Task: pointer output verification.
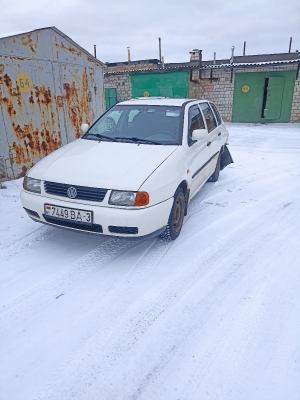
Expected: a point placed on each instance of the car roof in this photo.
(158, 101)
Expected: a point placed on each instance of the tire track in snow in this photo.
(42, 294)
(220, 289)
(253, 310)
(121, 297)
(196, 205)
(111, 353)
(40, 234)
(181, 288)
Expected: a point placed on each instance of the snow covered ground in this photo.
(213, 315)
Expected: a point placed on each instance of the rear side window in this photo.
(217, 114)
(195, 122)
(209, 116)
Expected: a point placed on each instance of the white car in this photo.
(134, 170)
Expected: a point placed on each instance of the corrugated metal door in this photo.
(275, 88)
(29, 112)
(166, 91)
(5, 164)
(263, 96)
(169, 84)
(98, 84)
(79, 97)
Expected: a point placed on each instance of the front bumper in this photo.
(147, 220)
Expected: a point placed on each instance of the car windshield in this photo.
(143, 124)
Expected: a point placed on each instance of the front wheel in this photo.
(176, 217)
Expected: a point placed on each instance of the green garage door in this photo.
(263, 96)
(167, 84)
(110, 97)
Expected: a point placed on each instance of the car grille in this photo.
(75, 225)
(83, 192)
(129, 230)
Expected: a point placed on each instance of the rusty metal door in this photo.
(5, 163)
(29, 112)
(80, 102)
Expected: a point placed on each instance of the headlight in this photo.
(120, 198)
(32, 185)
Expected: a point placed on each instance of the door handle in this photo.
(220, 133)
(208, 143)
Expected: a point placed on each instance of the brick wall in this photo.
(295, 115)
(219, 91)
(122, 82)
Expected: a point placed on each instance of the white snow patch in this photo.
(213, 315)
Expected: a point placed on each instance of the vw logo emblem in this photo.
(72, 192)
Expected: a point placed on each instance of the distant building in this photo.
(258, 88)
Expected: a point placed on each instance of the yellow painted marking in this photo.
(245, 89)
(24, 82)
(146, 94)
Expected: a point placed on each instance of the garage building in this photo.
(49, 86)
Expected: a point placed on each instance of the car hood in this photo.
(109, 165)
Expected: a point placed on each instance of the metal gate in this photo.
(166, 84)
(263, 96)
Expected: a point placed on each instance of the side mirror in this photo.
(200, 135)
(84, 127)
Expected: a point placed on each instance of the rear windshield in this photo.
(157, 124)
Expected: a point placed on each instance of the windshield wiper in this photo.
(137, 140)
(98, 136)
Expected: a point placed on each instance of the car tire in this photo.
(215, 176)
(175, 222)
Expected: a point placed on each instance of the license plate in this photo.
(69, 214)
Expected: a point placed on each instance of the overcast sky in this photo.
(210, 25)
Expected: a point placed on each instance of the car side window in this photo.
(209, 116)
(195, 122)
(217, 114)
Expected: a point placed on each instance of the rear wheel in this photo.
(215, 175)
(176, 217)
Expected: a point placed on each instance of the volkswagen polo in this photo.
(133, 172)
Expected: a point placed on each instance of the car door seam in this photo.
(204, 165)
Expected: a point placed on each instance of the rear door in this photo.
(198, 152)
(221, 130)
(214, 134)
